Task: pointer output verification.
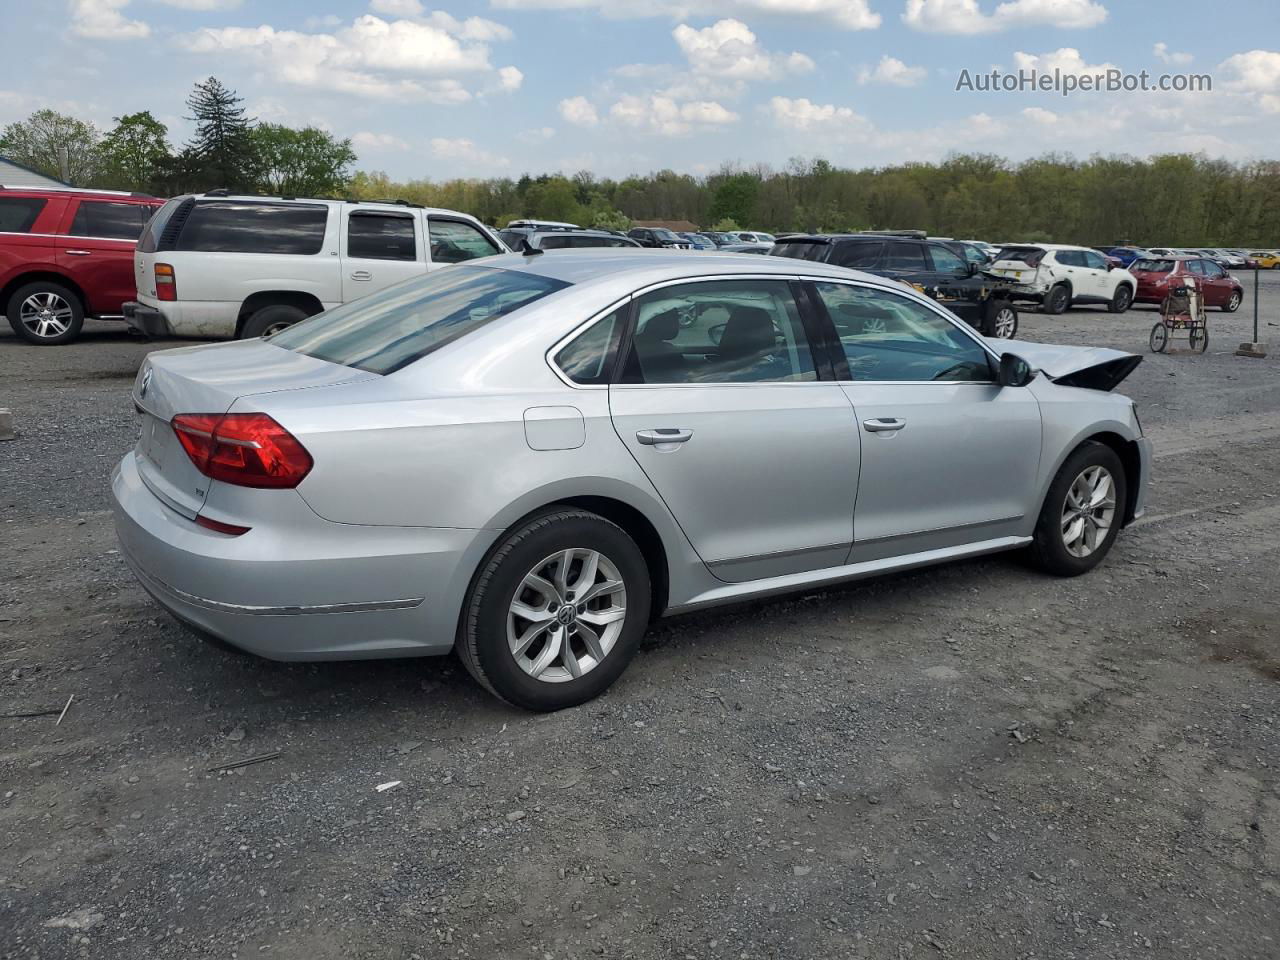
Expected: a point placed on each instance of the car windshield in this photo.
(388, 330)
(1152, 266)
(802, 250)
(1031, 256)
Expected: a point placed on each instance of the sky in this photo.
(504, 87)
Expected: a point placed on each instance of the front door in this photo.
(721, 406)
(1101, 283)
(948, 456)
(379, 248)
(455, 241)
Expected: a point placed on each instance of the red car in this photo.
(1156, 275)
(67, 254)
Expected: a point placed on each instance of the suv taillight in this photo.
(166, 283)
(247, 449)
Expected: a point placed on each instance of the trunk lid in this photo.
(209, 379)
(1094, 368)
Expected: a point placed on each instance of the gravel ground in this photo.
(973, 761)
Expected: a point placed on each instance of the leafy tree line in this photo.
(228, 150)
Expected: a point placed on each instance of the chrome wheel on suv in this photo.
(45, 313)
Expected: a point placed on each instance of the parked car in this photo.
(518, 239)
(658, 237)
(719, 239)
(67, 254)
(1126, 255)
(754, 236)
(697, 241)
(1157, 275)
(989, 249)
(541, 225)
(1057, 276)
(934, 267)
(762, 248)
(528, 459)
(1228, 258)
(1266, 259)
(218, 266)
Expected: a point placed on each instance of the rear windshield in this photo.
(1031, 256)
(802, 251)
(155, 226)
(1152, 266)
(236, 226)
(17, 214)
(388, 330)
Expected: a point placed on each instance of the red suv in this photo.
(67, 254)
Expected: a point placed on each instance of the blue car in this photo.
(1126, 255)
(698, 240)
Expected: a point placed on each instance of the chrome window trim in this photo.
(65, 236)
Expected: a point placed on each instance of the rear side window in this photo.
(148, 242)
(800, 251)
(236, 226)
(588, 358)
(110, 221)
(381, 236)
(453, 241)
(905, 256)
(392, 328)
(17, 214)
(857, 254)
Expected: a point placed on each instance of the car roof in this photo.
(401, 206)
(120, 195)
(641, 267)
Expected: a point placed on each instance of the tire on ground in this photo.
(1057, 300)
(271, 319)
(1122, 299)
(991, 313)
(14, 311)
(1048, 548)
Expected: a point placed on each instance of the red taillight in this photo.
(247, 449)
(217, 525)
(166, 282)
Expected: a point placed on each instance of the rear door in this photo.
(380, 248)
(949, 457)
(27, 233)
(1217, 283)
(722, 407)
(97, 251)
(456, 241)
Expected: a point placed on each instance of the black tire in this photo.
(272, 319)
(1233, 302)
(1122, 299)
(999, 319)
(1198, 339)
(482, 643)
(1049, 549)
(1159, 338)
(1057, 300)
(59, 298)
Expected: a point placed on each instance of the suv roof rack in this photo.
(395, 202)
(62, 189)
(913, 234)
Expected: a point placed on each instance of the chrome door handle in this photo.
(78, 253)
(651, 438)
(883, 425)
(362, 275)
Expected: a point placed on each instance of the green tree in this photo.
(306, 162)
(56, 145)
(135, 152)
(554, 199)
(726, 226)
(222, 144)
(607, 218)
(734, 198)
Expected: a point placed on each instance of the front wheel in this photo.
(45, 313)
(272, 319)
(556, 612)
(1057, 300)
(1233, 302)
(1122, 299)
(1001, 320)
(1159, 338)
(1199, 339)
(1082, 512)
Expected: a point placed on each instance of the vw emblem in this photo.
(566, 615)
(146, 382)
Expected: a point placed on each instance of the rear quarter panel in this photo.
(33, 251)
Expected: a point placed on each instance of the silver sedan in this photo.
(527, 458)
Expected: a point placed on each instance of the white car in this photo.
(1057, 275)
(217, 266)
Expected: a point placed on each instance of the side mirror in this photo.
(1014, 371)
(973, 269)
(1110, 266)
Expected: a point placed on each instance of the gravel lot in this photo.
(974, 761)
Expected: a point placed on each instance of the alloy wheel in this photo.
(566, 615)
(1234, 303)
(1089, 511)
(46, 315)
(1005, 323)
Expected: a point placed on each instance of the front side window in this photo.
(905, 256)
(946, 261)
(453, 241)
(1094, 261)
(237, 226)
(1213, 270)
(380, 236)
(857, 254)
(887, 337)
(392, 328)
(1196, 267)
(111, 221)
(17, 214)
(588, 358)
(724, 331)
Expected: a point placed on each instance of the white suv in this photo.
(1057, 275)
(212, 265)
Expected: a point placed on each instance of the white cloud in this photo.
(893, 72)
(729, 50)
(846, 14)
(202, 4)
(1041, 116)
(379, 142)
(579, 112)
(536, 135)
(102, 19)
(404, 59)
(1162, 53)
(1066, 60)
(397, 8)
(668, 118)
(472, 28)
(804, 114)
(1255, 74)
(466, 152)
(966, 17)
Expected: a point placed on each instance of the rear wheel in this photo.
(1000, 320)
(272, 319)
(1122, 299)
(1198, 338)
(1082, 512)
(1058, 299)
(1159, 338)
(556, 612)
(1233, 302)
(46, 313)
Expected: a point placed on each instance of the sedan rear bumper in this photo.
(299, 587)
